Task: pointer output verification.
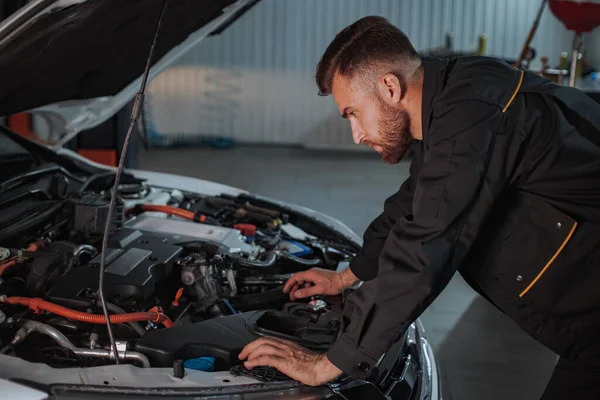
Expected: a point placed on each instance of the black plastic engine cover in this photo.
(316, 332)
(90, 212)
(222, 338)
(135, 262)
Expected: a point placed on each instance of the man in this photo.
(504, 187)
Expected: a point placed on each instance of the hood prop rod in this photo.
(135, 113)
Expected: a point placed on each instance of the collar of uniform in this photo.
(434, 71)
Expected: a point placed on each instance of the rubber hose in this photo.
(69, 267)
(113, 308)
(93, 178)
(37, 304)
(303, 261)
(270, 260)
(7, 265)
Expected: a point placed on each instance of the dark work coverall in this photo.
(505, 189)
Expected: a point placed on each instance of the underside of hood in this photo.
(97, 48)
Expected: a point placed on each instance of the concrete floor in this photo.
(483, 355)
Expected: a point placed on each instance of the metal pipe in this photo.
(124, 355)
(35, 326)
(231, 281)
(576, 47)
(22, 18)
(85, 248)
(268, 262)
(139, 100)
(79, 250)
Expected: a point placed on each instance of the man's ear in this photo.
(389, 89)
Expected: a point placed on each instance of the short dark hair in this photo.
(361, 47)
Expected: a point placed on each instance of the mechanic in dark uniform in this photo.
(504, 187)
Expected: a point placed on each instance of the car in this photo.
(194, 269)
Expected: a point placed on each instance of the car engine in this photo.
(186, 275)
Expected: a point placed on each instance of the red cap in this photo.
(246, 229)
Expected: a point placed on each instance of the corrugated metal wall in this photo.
(254, 82)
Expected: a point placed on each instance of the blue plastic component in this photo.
(297, 249)
(206, 364)
(228, 304)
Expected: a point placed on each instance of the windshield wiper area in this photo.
(20, 179)
(11, 159)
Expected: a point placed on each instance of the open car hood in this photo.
(77, 62)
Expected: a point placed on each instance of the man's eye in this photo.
(353, 113)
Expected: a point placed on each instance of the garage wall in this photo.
(254, 82)
(593, 45)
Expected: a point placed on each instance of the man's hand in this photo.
(324, 282)
(291, 359)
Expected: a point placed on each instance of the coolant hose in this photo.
(37, 305)
(113, 308)
(303, 261)
(269, 261)
(35, 326)
(180, 212)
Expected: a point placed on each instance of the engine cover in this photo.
(230, 241)
(135, 262)
(224, 337)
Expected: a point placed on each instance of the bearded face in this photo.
(394, 136)
(383, 126)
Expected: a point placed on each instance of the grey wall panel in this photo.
(255, 81)
(592, 41)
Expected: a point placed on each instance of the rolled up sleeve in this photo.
(460, 177)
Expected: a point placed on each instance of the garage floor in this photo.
(483, 355)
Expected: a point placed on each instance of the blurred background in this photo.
(254, 82)
(241, 108)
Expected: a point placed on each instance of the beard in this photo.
(394, 133)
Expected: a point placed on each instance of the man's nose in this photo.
(358, 134)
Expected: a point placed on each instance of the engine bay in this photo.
(188, 277)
